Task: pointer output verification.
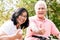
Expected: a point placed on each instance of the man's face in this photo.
(41, 10)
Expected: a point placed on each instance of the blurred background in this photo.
(8, 6)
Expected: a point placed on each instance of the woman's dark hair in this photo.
(16, 14)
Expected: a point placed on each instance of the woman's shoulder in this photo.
(7, 23)
(8, 27)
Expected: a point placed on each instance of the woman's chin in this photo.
(21, 23)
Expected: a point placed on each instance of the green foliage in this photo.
(53, 10)
(29, 5)
(54, 13)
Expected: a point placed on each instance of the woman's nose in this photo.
(23, 17)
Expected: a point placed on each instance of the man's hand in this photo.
(58, 36)
(41, 31)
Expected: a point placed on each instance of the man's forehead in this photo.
(40, 6)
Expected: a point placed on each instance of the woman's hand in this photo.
(19, 34)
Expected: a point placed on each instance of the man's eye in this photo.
(42, 8)
(39, 8)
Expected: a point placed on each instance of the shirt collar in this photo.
(40, 19)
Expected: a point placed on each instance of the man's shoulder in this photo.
(50, 21)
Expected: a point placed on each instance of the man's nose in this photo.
(40, 10)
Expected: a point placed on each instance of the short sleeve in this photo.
(8, 28)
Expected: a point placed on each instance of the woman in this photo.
(9, 30)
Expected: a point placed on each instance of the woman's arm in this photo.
(17, 35)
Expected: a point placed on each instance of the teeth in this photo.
(41, 13)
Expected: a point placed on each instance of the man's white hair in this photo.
(40, 2)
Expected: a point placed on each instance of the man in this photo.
(40, 26)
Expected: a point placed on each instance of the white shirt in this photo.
(8, 27)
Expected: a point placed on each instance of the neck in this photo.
(41, 18)
(17, 26)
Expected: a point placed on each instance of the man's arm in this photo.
(54, 30)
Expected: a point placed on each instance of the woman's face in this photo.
(22, 18)
(41, 10)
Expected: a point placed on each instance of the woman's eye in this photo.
(25, 16)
